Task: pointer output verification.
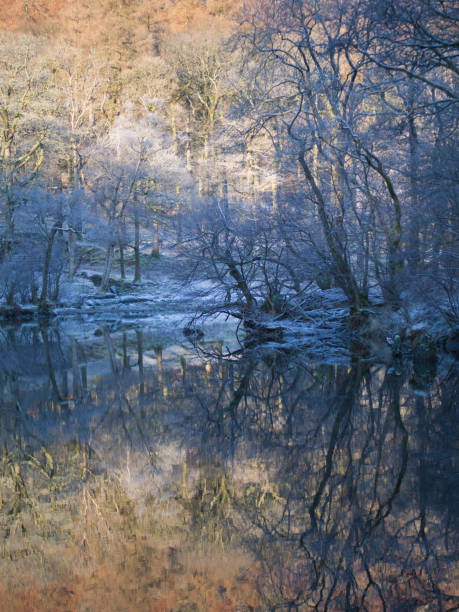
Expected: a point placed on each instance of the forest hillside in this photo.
(281, 149)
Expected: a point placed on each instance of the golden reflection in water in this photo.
(208, 485)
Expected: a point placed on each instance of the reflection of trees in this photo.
(337, 505)
(337, 479)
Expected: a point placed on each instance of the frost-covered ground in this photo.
(160, 300)
(165, 304)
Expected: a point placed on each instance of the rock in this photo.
(131, 299)
(67, 310)
(96, 279)
(193, 333)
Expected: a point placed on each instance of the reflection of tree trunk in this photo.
(49, 363)
(346, 396)
(395, 384)
(159, 361)
(423, 478)
(75, 371)
(219, 349)
(65, 384)
(111, 352)
(241, 391)
(84, 377)
(125, 353)
(140, 361)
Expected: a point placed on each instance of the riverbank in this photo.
(165, 297)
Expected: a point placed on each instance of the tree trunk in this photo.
(224, 193)
(393, 232)
(274, 193)
(75, 170)
(178, 213)
(10, 295)
(71, 247)
(107, 268)
(413, 246)
(155, 249)
(44, 282)
(345, 278)
(241, 283)
(122, 266)
(137, 276)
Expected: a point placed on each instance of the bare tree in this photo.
(134, 174)
(24, 81)
(319, 94)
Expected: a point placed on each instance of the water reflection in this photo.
(136, 475)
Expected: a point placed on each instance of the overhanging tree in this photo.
(326, 100)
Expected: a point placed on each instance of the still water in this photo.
(141, 474)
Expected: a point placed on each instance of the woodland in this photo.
(229, 306)
(275, 148)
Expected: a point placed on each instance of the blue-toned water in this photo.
(141, 473)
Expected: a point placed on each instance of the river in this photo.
(139, 472)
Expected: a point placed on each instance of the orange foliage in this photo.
(98, 23)
(29, 15)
